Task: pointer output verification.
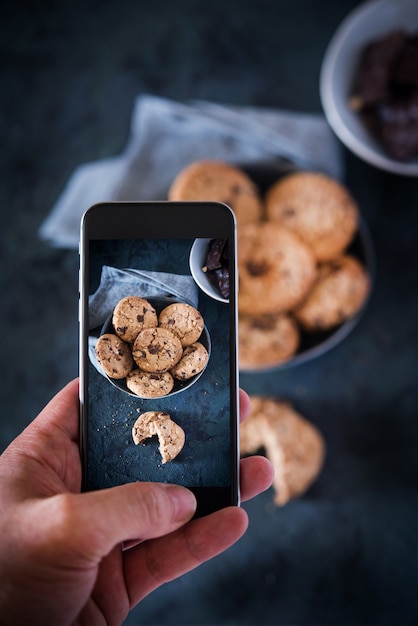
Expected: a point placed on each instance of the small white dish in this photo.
(368, 22)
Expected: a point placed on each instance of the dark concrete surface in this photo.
(345, 553)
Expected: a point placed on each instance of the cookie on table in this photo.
(149, 385)
(318, 208)
(131, 315)
(294, 446)
(340, 291)
(276, 269)
(170, 435)
(218, 181)
(193, 361)
(156, 350)
(114, 356)
(183, 320)
(266, 340)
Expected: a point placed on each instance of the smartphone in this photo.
(151, 410)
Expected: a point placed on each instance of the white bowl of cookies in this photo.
(305, 262)
(153, 347)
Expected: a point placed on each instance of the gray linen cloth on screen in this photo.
(116, 284)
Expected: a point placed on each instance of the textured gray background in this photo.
(345, 553)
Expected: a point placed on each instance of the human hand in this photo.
(61, 556)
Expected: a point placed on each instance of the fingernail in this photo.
(184, 500)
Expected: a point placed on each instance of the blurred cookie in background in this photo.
(217, 181)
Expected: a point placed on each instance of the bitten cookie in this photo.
(156, 350)
(212, 180)
(131, 315)
(339, 293)
(266, 340)
(170, 435)
(183, 320)
(149, 385)
(114, 356)
(318, 208)
(193, 361)
(293, 445)
(276, 269)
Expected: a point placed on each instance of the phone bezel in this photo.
(160, 220)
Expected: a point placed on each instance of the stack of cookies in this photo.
(295, 273)
(150, 351)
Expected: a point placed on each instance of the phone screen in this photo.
(158, 416)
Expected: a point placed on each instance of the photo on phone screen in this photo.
(158, 361)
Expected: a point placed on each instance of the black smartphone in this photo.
(158, 348)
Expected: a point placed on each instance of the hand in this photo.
(61, 556)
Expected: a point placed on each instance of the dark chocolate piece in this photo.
(376, 66)
(386, 92)
(406, 72)
(220, 279)
(217, 266)
(215, 253)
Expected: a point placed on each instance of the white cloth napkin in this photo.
(166, 135)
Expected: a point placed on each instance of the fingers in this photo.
(256, 475)
(91, 524)
(244, 405)
(256, 472)
(62, 411)
(153, 563)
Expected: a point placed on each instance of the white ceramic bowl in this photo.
(197, 260)
(369, 21)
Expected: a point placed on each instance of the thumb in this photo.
(85, 527)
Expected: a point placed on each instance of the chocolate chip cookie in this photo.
(276, 269)
(294, 446)
(183, 320)
(218, 181)
(339, 293)
(193, 361)
(318, 208)
(149, 385)
(170, 435)
(131, 315)
(156, 350)
(266, 340)
(114, 356)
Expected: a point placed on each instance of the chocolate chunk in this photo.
(257, 269)
(406, 72)
(220, 279)
(217, 265)
(376, 66)
(265, 322)
(215, 253)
